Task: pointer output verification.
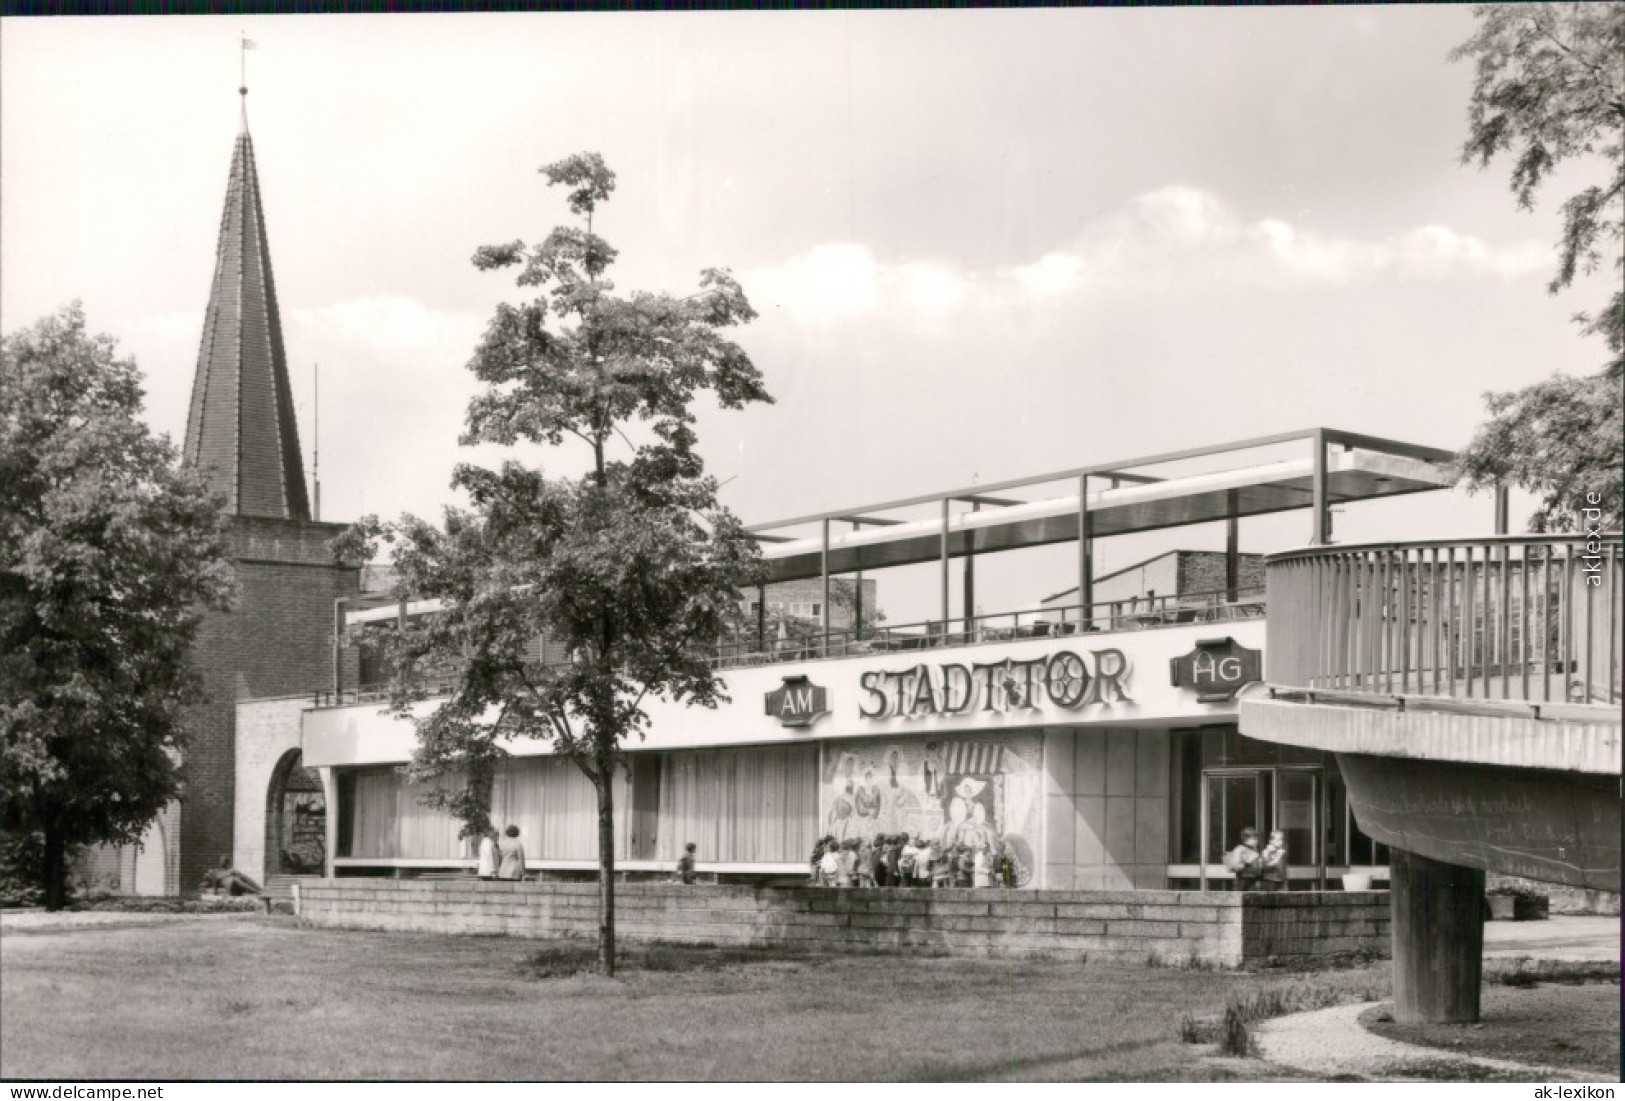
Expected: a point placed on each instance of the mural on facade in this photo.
(304, 831)
(972, 791)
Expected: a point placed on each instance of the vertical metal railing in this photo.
(1525, 617)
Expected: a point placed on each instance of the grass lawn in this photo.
(1549, 1024)
(263, 998)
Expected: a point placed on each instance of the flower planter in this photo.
(1356, 881)
(1518, 907)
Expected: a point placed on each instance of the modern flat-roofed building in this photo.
(1102, 750)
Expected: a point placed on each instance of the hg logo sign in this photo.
(1218, 668)
(797, 702)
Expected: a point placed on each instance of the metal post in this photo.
(857, 599)
(761, 618)
(970, 583)
(945, 566)
(1502, 509)
(1202, 830)
(1232, 548)
(1086, 583)
(823, 568)
(338, 648)
(1323, 519)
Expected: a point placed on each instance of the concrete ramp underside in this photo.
(1542, 824)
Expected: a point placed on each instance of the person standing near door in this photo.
(1245, 862)
(1272, 863)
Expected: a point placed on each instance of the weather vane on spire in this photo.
(244, 45)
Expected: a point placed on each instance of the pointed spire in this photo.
(241, 428)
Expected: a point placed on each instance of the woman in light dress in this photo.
(512, 854)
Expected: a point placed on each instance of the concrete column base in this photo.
(1438, 931)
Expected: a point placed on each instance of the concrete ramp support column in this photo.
(1438, 931)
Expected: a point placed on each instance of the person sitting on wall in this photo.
(925, 865)
(513, 855)
(1244, 861)
(228, 880)
(829, 865)
(685, 863)
(489, 858)
(1272, 863)
(908, 855)
(983, 873)
(815, 873)
(846, 863)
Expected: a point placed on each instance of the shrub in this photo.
(1514, 890)
(1235, 1037)
(1199, 1030)
(21, 855)
(134, 904)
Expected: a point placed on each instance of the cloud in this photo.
(838, 283)
(1174, 235)
(391, 326)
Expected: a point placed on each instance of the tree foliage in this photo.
(108, 556)
(633, 570)
(1549, 89)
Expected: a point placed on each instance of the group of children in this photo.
(1257, 870)
(897, 860)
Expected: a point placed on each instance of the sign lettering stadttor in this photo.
(1064, 679)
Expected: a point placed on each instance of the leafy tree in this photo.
(109, 553)
(634, 569)
(1550, 89)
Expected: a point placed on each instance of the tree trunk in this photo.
(56, 870)
(606, 864)
(1438, 931)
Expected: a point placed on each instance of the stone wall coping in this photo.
(987, 895)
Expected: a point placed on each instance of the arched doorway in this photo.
(295, 819)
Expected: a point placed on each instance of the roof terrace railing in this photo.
(1533, 618)
(1053, 621)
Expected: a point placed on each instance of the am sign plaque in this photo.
(797, 702)
(1217, 669)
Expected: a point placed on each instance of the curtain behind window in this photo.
(392, 823)
(757, 804)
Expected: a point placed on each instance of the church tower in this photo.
(241, 429)
(242, 434)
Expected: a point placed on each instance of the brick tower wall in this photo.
(277, 642)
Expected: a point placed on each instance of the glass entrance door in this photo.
(1235, 800)
(1265, 799)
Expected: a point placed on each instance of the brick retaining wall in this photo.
(1294, 926)
(1128, 926)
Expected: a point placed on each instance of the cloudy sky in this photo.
(982, 244)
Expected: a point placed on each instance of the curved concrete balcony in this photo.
(1530, 618)
(1470, 690)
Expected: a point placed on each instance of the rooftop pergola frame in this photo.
(1114, 498)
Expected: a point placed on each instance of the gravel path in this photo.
(1331, 1042)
